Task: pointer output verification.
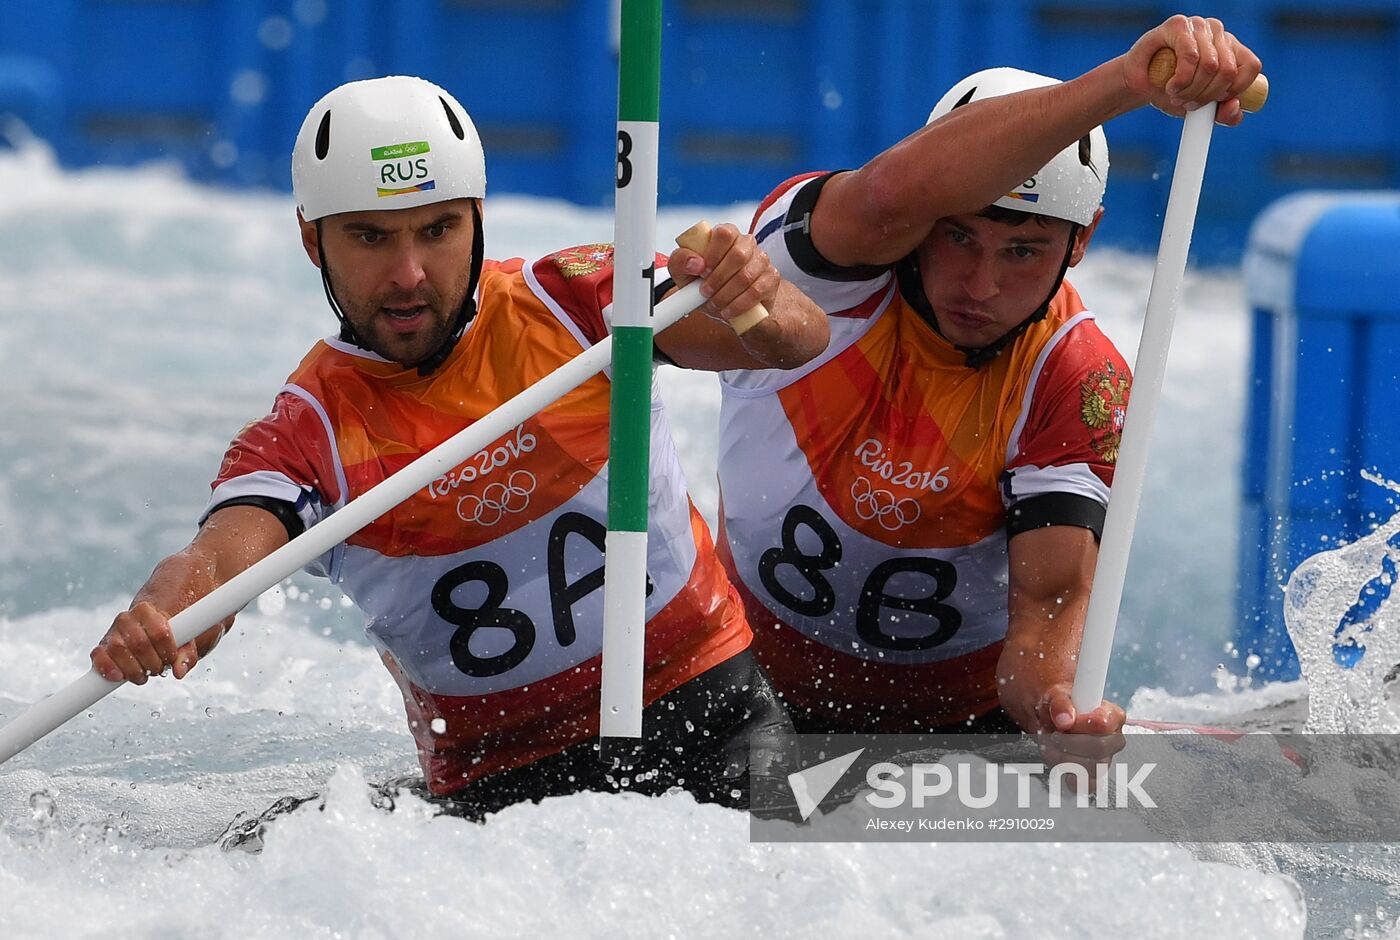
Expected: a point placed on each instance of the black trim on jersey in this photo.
(1047, 509)
(658, 293)
(911, 287)
(285, 512)
(797, 235)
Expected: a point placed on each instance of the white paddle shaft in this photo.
(1107, 594)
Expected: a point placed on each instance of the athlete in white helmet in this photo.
(913, 517)
(482, 591)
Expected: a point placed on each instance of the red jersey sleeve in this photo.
(287, 456)
(1061, 457)
(580, 281)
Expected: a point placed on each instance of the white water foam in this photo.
(105, 820)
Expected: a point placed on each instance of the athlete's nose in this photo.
(406, 271)
(980, 278)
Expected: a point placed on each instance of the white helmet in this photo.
(1072, 184)
(385, 143)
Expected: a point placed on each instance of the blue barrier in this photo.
(1321, 271)
(753, 90)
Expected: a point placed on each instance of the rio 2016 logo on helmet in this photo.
(1072, 184)
(385, 143)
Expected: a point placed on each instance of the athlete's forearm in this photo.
(1038, 658)
(738, 277)
(977, 153)
(794, 332)
(180, 580)
(959, 164)
(140, 642)
(1050, 641)
(229, 542)
(1051, 574)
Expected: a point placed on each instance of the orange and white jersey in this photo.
(483, 589)
(867, 497)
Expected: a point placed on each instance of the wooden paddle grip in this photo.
(1163, 65)
(697, 238)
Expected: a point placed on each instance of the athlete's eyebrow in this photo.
(446, 218)
(1034, 241)
(361, 227)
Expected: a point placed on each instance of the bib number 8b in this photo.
(877, 605)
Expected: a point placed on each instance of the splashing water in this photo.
(1344, 619)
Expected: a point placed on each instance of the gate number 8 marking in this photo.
(624, 165)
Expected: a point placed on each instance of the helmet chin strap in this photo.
(465, 312)
(347, 332)
(911, 287)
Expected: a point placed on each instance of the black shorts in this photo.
(698, 737)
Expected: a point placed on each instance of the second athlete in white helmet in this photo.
(913, 519)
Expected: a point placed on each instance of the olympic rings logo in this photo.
(881, 506)
(497, 500)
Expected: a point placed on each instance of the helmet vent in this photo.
(1086, 155)
(323, 137)
(965, 98)
(452, 119)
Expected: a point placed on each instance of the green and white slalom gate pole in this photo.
(629, 457)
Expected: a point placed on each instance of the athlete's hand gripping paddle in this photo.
(624, 620)
(1163, 66)
(697, 239)
(1107, 594)
(232, 596)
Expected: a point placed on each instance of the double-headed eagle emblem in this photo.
(1103, 405)
(584, 260)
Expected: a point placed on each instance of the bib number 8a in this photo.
(490, 614)
(564, 594)
(876, 604)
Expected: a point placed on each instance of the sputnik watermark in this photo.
(1203, 786)
(854, 787)
(926, 782)
(936, 780)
